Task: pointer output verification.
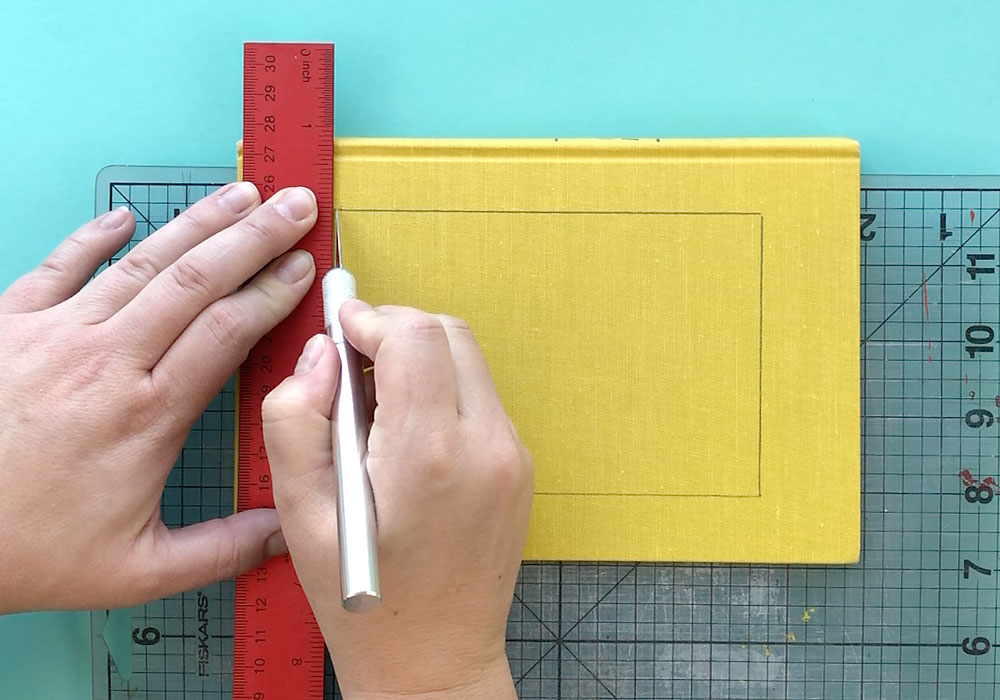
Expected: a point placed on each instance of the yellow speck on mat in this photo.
(672, 327)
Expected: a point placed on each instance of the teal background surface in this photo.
(83, 85)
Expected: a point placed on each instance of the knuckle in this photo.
(229, 556)
(500, 458)
(271, 294)
(190, 276)
(146, 401)
(76, 243)
(201, 219)
(278, 409)
(422, 327)
(226, 324)
(263, 231)
(507, 464)
(137, 265)
(453, 323)
(58, 263)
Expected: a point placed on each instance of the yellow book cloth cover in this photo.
(672, 327)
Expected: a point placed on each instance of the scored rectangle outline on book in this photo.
(731, 470)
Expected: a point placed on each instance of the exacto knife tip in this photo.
(336, 237)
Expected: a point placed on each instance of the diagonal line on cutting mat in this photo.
(536, 616)
(599, 601)
(136, 209)
(587, 669)
(535, 665)
(937, 269)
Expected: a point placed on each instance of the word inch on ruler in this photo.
(287, 141)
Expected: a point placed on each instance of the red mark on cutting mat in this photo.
(972, 216)
(968, 480)
(923, 284)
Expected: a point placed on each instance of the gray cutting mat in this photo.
(915, 619)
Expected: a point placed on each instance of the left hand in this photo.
(102, 383)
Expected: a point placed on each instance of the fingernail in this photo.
(237, 196)
(275, 545)
(310, 355)
(295, 204)
(294, 267)
(114, 218)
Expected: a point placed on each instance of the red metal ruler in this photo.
(287, 140)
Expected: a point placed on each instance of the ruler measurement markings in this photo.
(288, 140)
(941, 395)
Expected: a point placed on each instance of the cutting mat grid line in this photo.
(890, 627)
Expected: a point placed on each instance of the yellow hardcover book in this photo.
(672, 326)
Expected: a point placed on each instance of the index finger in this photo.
(214, 268)
(477, 394)
(415, 382)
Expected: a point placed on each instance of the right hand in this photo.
(452, 485)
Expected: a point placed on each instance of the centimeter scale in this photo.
(287, 140)
(916, 618)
